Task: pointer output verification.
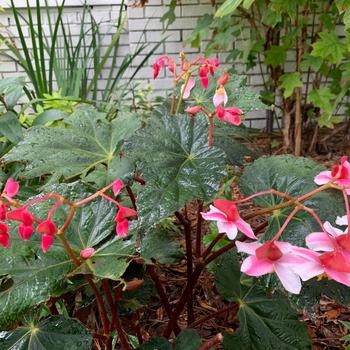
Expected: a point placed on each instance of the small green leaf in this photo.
(50, 115)
(289, 82)
(188, 339)
(12, 90)
(54, 333)
(10, 127)
(329, 47)
(227, 7)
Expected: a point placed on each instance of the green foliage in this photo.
(11, 90)
(10, 127)
(158, 343)
(182, 166)
(91, 140)
(54, 333)
(289, 82)
(265, 322)
(161, 245)
(228, 7)
(275, 56)
(188, 339)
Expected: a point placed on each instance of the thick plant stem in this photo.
(199, 229)
(188, 239)
(211, 131)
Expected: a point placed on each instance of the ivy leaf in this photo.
(289, 82)
(91, 140)
(10, 127)
(227, 7)
(329, 47)
(54, 333)
(264, 322)
(182, 166)
(275, 56)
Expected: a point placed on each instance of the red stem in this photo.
(211, 131)
(212, 244)
(290, 216)
(199, 229)
(132, 197)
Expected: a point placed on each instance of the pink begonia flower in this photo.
(334, 264)
(230, 115)
(271, 257)
(87, 253)
(118, 185)
(192, 111)
(160, 63)
(48, 229)
(3, 211)
(11, 187)
(122, 220)
(228, 220)
(340, 173)
(190, 85)
(220, 96)
(26, 219)
(203, 75)
(4, 235)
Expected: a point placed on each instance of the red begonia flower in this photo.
(4, 235)
(11, 187)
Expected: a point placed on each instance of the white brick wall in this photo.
(143, 26)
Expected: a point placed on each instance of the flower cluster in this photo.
(327, 253)
(205, 67)
(47, 228)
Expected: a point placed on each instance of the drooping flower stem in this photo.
(212, 244)
(286, 222)
(346, 200)
(179, 102)
(132, 197)
(189, 259)
(211, 130)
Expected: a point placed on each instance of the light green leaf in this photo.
(90, 141)
(289, 82)
(227, 7)
(322, 98)
(10, 127)
(182, 166)
(247, 4)
(54, 333)
(329, 47)
(50, 115)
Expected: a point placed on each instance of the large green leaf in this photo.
(329, 47)
(91, 140)
(177, 164)
(32, 277)
(188, 339)
(161, 245)
(54, 333)
(289, 82)
(264, 322)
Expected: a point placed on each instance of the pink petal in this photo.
(11, 187)
(248, 248)
(214, 214)
(122, 228)
(308, 270)
(291, 259)
(341, 277)
(190, 85)
(87, 253)
(220, 97)
(289, 279)
(342, 220)
(46, 242)
(205, 82)
(232, 118)
(252, 266)
(319, 241)
(228, 227)
(284, 247)
(335, 232)
(25, 231)
(245, 228)
(5, 240)
(118, 185)
(343, 182)
(323, 177)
